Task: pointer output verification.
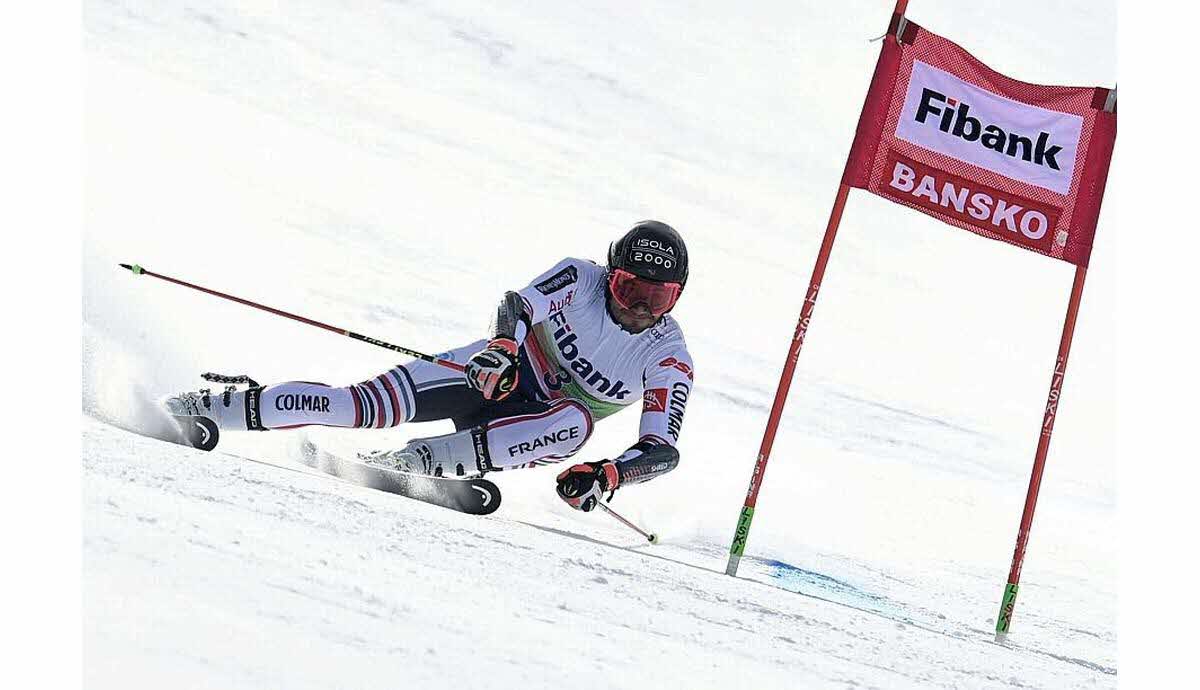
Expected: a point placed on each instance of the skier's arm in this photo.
(582, 486)
(552, 291)
(667, 389)
(512, 320)
(644, 461)
(494, 370)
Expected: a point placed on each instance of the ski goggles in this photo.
(629, 290)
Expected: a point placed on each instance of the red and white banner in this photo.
(942, 133)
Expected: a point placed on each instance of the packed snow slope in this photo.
(392, 168)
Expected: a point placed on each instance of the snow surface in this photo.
(392, 168)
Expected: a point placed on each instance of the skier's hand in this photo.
(493, 370)
(583, 485)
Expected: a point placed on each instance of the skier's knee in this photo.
(551, 435)
(384, 401)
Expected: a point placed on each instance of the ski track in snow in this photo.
(287, 579)
(346, 161)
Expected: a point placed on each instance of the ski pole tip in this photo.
(137, 270)
(653, 538)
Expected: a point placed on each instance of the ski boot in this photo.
(201, 414)
(460, 454)
(189, 411)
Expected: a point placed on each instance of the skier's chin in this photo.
(632, 321)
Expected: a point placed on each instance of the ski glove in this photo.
(583, 485)
(493, 370)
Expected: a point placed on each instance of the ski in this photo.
(473, 496)
(198, 432)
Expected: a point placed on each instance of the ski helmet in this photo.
(649, 265)
(651, 250)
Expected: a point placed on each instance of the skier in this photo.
(578, 344)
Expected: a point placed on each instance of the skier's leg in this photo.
(548, 432)
(417, 391)
(541, 438)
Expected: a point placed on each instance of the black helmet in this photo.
(651, 250)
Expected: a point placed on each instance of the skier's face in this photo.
(638, 303)
(634, 319)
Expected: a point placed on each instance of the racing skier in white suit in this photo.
(578, 344)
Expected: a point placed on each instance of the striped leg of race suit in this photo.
(521, 431)
(416, 391)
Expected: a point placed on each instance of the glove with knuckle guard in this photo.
(493, 371)
(582, 486)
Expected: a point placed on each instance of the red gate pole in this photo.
(738, 547)
(1008, 602)
(785, 382)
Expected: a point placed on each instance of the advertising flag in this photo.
(1017, 162)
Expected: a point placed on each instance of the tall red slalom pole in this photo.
(1008, 602)
(785, 383)
(742, 533)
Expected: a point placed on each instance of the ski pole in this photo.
(138, 270)
(650, 536)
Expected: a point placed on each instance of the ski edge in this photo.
(476, 496)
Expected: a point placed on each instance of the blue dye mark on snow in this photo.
(793, 579)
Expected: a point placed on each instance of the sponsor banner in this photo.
(673, 363)
(561, 304)
(946, 114)
(997, 213)
(545, 443)
(1018, 162)
(558, 281)
(654, 400)
(584, 370)
(676, 407)
(557, 382)
(253, 414)
(290, 402)
(652, 253)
